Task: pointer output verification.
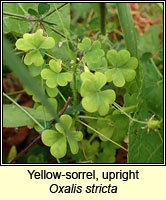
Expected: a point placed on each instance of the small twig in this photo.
(19, 16)
(65, 106)
(26, 149)
(39, 136)
(53, 29)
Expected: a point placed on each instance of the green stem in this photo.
(102, 135)
(19, 16)
(75, 86)
(132, 119)
(16, 92)
(53, 29)
(42, 84)
(92, 138)
(21, 108)
(96, 118)
(62, 96)
(155, 67)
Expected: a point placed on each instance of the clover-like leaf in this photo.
(122, 67)
(93, 98)
(34, 42)
(54, 76)
(57, 139)
(92, 54)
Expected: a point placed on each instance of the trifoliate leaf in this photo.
(122, 67)
(57, 139)
(93, 98)
(92, 54)
(35, 42)
(55, 78)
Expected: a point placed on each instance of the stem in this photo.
(90, 117)
(156, 69)
(21, 108)
(103, 18)
(132, 119)
(65, 106)
(102, 135)
(62, 96)
(48, 14)
(26, 149)
(75, 86)
(92, 138)
(19, 16)
(16, 92)
(42, 84)
(53, 29)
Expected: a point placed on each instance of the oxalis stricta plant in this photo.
(94, 82)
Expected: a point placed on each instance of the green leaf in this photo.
(78, 135)
(12, 153)
(43, 8)
(53, 103)
(91, 103)
(34, 41)
(128, 29)
(11, 113)
(32, 12)
(66, 120)
(59, 148)
(85, 45)
(73, 145)
(49, 137)
(97, 65)
(52, 92)
(94, 99)
(55, 65)
(53, 79)
(34, 57)
(122, 67)
(94, 56)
